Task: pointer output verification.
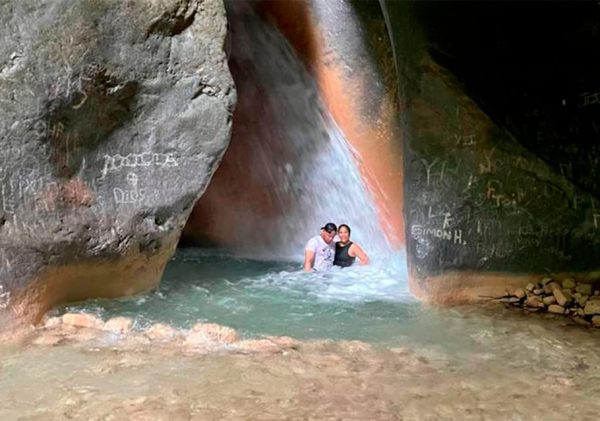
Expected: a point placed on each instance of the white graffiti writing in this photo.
(418, 232)
(128, 196)
(133, 160)
(131, 195)
(464, 140)
(488, 166)
(589, 99)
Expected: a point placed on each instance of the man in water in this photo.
(320, 250)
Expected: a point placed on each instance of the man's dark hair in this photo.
(329, 227)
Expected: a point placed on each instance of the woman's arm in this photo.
(356, 251)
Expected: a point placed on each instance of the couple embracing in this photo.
(321, 253)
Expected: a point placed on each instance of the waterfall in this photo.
(310, 169)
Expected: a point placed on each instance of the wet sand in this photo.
(540, 368)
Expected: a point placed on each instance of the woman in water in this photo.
(346, 251)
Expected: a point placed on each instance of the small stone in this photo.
(579, 312)
(258, 345)
(569, 298)
(533, 301)
(581, 321)
(53, 322)
(556, 309)
(568, 283)
(215, 332)
(592, 307)
(597, 292)
(582, 300)
(196, 339)
(546, 280)
(538, 291)
(530, 287)
(585, 289)
(510, 300)
(549, 287)
(519, 293)
(562, 298)
(551, 299)
(284, 341)
(596, 321)
(161, 332)
(82, 320)
(118, 324)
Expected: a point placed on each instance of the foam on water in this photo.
(354, 284)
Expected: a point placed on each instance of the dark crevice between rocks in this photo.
(173, 22)
(160, 221)
(205, 89)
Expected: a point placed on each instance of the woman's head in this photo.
(344, 233)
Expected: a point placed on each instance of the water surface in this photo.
(416, 362)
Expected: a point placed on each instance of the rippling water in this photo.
(367, 303)
(370, 304)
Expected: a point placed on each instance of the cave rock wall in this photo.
(490, 201)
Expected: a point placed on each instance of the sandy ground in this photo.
(540, 370)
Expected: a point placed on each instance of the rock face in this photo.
(499, 163)
(113, 117)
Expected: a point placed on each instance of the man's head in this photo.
(328, 231)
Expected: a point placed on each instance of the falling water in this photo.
(315, 177)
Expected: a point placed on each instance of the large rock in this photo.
(113, 117)
(495, 193)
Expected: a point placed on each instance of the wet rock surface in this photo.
(121, 332)
(113, 117)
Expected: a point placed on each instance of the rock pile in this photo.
(578, 300)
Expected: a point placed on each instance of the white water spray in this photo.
(317, 177)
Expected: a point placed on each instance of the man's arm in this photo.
(309, 260)
(356, 251)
